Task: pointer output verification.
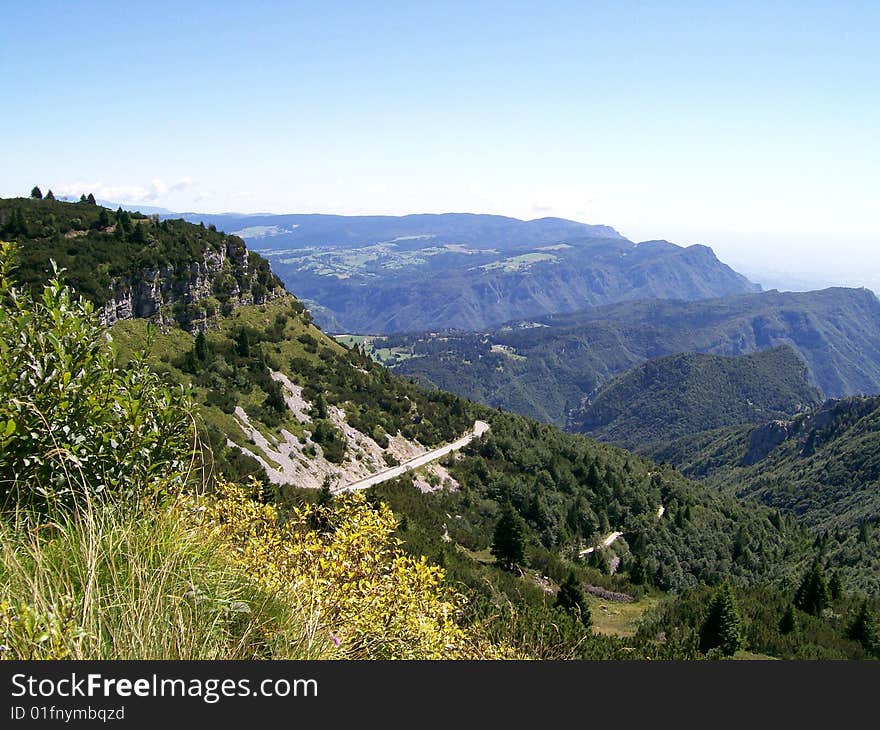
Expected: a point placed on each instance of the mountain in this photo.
(280, 401)
(382, 274)
(668, 397)
(547, 368)
(822, 466)
(130, 265)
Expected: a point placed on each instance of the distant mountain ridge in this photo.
(384, 274)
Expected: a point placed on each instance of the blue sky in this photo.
(751, 127)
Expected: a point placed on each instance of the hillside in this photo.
(134, 266)
(683, 394)
(822, 466)
(280, 401)
(382, 274)
(548, 367)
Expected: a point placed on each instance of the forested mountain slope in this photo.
(547, 368)
(273, 391)
(683, 394)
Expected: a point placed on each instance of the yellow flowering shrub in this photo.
(342, 563)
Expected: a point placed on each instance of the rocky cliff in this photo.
(227, 276)
(130, 265)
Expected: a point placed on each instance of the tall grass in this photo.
(141, 586)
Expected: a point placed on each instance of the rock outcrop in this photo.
(226, 277)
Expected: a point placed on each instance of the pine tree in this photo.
(91, 199)
(50, 195)
(319, 407)
(864, 629)
(835, 587)
(813, 595)
(722, 628)
(104, 218)
(36, 193)
(789, 623)
(242, 343)
(571, 598)
(508, 544)
(82, 198)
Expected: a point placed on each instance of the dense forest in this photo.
(547, 368)
(688, 393)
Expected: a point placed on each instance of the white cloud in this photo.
(151, 193)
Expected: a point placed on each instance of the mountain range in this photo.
(547, 368)
(383, 274)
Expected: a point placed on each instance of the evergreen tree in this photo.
(571, 598)
(50, 195)
(91, 199)
(835, 587)
(104, 218)
(813, 595)
(36, 193)
(789, 623)
(138, 235)
(722, 628)
(864, 629)
(508, 545)
(201, 347)
(637, 573)
(319, 407)
(242, 343)
(82, 198)
(597, 560)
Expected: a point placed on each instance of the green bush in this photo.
(73, 424)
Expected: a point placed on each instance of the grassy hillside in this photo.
(547, 368)
(683, 394)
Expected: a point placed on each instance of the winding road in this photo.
(480, 427)
(610, 539)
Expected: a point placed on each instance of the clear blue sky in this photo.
(752, 127)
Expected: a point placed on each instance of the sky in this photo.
(749, 127)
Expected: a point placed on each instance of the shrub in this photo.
(73, 424)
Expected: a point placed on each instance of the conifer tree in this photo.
(50, 195)
(722, 628)
(789, 623)
(637, 573)
(835, 587)
(813, 595)
(864, 629)
(201, 347)
(571, 598)
(36, 193)
(91, 199)
(508, 544)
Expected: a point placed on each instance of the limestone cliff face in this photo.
(227, 276)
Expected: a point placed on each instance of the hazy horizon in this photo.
(749, 128)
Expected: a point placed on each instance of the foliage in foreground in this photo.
(344, 562)
(72, 423)
(109, 553)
